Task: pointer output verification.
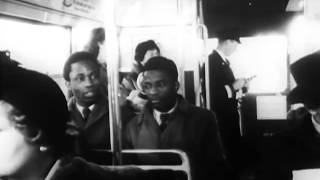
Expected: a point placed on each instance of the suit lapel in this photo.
(149, 132)
(172, 135)
(152, 123)
(97, 113)
(77, 119)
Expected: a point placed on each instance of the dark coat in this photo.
(95, 133)
(191, 129)
(294, 149)
(220, 74)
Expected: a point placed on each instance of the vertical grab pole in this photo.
(205, 91)
(114, 108)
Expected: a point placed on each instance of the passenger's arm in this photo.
(127, 136)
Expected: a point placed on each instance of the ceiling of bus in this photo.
(248, 6)
(249, 16)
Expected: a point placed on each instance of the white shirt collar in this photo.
(223, 56)
(156, 113)
(53, 169)
(80, 108)
(315, 124)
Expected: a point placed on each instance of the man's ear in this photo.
(176, 86)
(36, 137)
(32, 135)
(67, 83)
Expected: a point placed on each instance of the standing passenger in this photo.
(224, 87)
(170, 122)
(143, 52)
(88, 106)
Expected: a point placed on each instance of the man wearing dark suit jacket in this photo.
(88, 107)
(170, 122)
(298, 147)
(223, 90)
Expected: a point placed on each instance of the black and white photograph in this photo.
(159, 90)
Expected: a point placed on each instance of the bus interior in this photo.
(273, 35)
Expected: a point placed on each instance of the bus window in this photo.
(36, 46)
(264, 57)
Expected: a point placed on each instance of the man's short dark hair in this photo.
(40, 99)
(143, 47)
(229, 34)
(77, 57)
(162, 64)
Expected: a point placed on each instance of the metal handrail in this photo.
(184, 166)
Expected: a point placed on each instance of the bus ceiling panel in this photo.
(249, 16)
(137, 13)
(53, 12)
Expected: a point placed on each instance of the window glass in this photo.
(262, 56)
(43, 48)
(39, 47)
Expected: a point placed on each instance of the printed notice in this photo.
(306, 174)
(271, 107)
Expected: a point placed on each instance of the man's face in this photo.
(231, 47)
(160, 89)
(149, 54)
(16, 152)
(84, 82)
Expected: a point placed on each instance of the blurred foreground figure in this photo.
(33, 140)
(297, 149)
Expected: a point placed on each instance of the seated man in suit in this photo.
(170, 122)
(297, 148)
(88, 107)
